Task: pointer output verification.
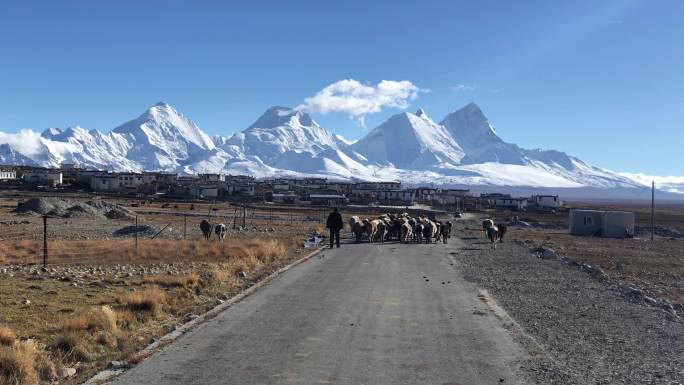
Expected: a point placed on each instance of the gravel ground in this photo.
(593, 330)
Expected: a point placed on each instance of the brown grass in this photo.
(102, 318)
(123, 251)
(7, 336)
(173, 280)
(17, 364)
(147, 300)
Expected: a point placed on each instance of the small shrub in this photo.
(124, 318)
(74, 347)
(17, 364)
(45, 367)
(7, 336)
(147, 300)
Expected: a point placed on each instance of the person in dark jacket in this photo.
(335, 224)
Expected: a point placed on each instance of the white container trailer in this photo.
(612, 224)
(617, 224)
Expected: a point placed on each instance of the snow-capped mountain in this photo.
(463, 149)
(163, 139)
(288, 139)
(410, 141)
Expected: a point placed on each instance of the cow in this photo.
(220, 231)
(445, 231)
(428, 231)
(493, 235)
(502, 231)
(205, 226)
(486, 224)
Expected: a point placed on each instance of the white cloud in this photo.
(462, 87)
(27, 140)
(356, 99)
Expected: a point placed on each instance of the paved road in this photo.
(362, 314)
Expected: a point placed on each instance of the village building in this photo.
(204, 192)
(105, 183)
(288, 198)
(378, 186)
(328, 200)
(43, 177)
(402, 197)
(511, 203)
(211, 178)
(547, 201)
(8, 175)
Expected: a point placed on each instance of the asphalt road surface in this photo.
(361, 314)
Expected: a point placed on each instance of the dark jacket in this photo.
(334, 221)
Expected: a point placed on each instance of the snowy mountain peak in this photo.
(277, 116)
(409, 141)
(421, 113)
(470, 127)
(164, 126)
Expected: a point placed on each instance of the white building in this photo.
(130, 180)
(511, 203)
(547, 201)
(105, 182)
(8, 175)
(405, 196)
(48, 177)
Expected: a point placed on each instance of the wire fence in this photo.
(150, 235)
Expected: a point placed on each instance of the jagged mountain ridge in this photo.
(462, 149)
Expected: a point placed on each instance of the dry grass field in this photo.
(105, 295)
(655, 266)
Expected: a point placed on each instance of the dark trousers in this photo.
(334, 237)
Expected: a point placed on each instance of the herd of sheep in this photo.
(403, 228)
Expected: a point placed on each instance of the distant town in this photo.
(244, 188)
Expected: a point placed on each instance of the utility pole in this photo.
(45, 246)
(652, 210)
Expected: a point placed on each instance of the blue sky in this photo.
(601, 80)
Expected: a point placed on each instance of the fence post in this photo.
(136, 236)
(45, 244)
(185, 225)
(244, 213)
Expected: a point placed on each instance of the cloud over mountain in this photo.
(356, 99)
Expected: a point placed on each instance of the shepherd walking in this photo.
(335, 224)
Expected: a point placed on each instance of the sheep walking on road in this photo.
(205, 226)
(220, 231)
